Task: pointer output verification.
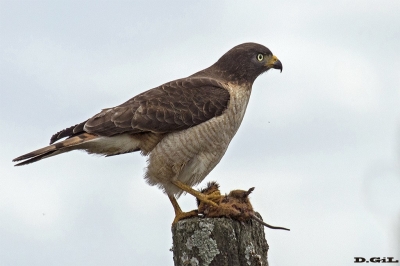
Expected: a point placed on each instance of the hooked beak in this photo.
(274, 62)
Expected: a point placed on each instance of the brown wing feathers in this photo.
(171, 107)
(68, 132)
(174, 106)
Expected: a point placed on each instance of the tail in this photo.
(69, 144)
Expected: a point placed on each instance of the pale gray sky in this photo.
(320, 141)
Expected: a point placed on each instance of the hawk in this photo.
(184, 126)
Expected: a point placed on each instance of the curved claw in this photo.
(201, 196)
(184, 215)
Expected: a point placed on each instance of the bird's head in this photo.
(245, 62)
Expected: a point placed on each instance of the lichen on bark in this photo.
(219, 241)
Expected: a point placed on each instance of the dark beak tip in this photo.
(278, 65)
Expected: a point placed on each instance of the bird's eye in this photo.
(260, 57)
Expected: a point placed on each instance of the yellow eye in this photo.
(260, 57)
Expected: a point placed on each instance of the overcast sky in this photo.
(320, 141)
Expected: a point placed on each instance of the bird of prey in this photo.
(183, 126)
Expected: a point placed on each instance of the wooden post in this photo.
(219, 242)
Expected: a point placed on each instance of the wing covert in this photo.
(174, 106)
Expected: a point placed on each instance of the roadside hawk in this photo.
(183, 126)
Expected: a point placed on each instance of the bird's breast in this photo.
(189, 155)
(213, 135)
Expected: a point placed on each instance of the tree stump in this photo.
(219, 242)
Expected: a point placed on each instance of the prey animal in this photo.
(183, 126)
(235, 205)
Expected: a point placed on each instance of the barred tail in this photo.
(54, 149)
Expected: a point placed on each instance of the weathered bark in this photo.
(219, 242)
